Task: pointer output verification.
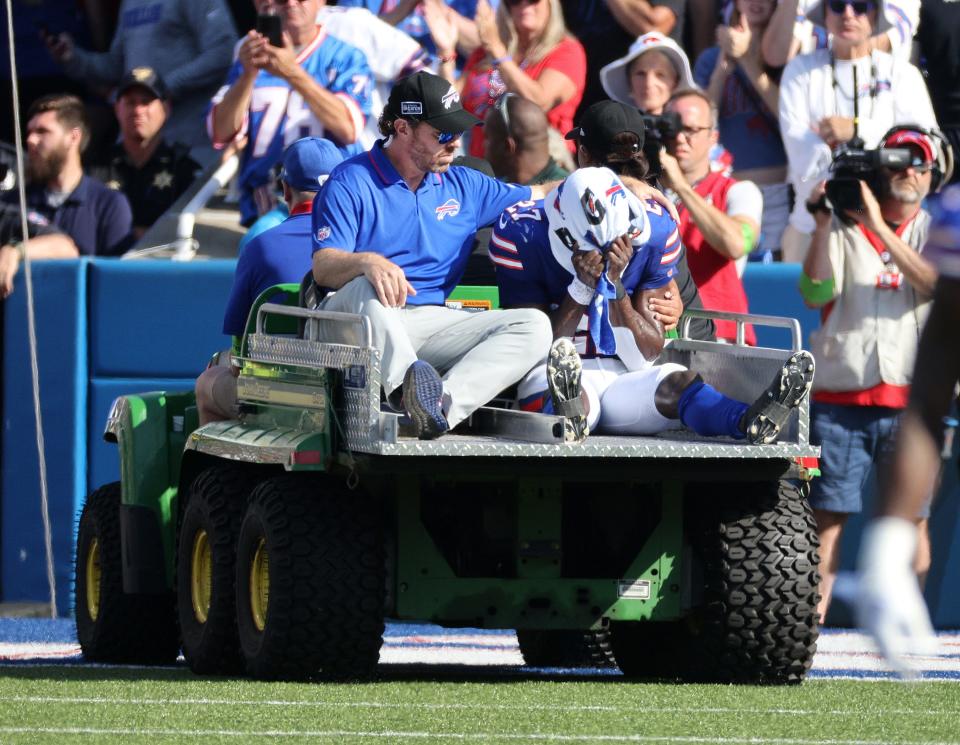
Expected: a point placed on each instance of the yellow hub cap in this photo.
(201, 576)
(259, 586)
(93, 579)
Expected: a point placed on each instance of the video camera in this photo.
(658, 132)
(853, 163)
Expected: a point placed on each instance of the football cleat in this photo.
(767, 415)
(563, 379)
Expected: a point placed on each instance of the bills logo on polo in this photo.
(450, 207)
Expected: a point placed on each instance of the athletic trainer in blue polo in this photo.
(392, 232)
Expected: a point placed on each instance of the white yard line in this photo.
(468, 736)
(101, 700)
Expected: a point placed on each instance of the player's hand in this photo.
(643, 190)
(252, 52)
(834, 130)
(60, 46)
(668, 309)
(388, 280)
(9, 263)
(588, 265)
(888, 602)
(618, 255)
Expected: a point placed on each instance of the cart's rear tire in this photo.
(565, 648)
(310, 582)
(113, 626)
(758, 623)
(206, 569)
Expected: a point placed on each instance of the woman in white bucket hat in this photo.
(653, 68)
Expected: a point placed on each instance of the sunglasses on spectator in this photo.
(691, 132)
(860, 7)
(918, 164)
(515, 3)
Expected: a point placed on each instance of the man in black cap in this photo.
(151, 172)
(392, 231)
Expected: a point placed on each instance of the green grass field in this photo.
(63, 705)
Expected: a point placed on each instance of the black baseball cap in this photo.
(602, 121)
(429, 98)
(145, 77)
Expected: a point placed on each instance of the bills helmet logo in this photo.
(450, 207)
(592, 208)
(614, 192)
(450, 97)
(323, 233)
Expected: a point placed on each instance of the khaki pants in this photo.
(794, 245)
(478, 353)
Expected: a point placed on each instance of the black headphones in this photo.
(942, 159)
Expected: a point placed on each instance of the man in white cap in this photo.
(591, 255)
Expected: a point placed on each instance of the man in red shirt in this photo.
(719, 216)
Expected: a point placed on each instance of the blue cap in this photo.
(308, 162)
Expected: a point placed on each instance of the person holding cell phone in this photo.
(308, 83)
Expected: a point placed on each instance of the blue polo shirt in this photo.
(367, 206)
(97, 218)
(276, 256)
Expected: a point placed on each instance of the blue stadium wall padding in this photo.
(103, 460)
(156, 319)
(772, 291)
(59, 299)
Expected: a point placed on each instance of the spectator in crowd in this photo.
(611, 134)
(525, 49)
(410, 17)
(653, 68)
(517, 145)
(392, 231)
(719, 215)
(867, 271)
(277, 256)
(745, 92)
(889, 602)
(315, 84)
(96, 218)
(608, 27)
(797, 27)
(391, 54)
(818, 99)
(44, 241)
(939, 40)
(151, 172)
(188, 42)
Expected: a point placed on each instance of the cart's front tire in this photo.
(112, 626)
(310, 582)
(206, 569)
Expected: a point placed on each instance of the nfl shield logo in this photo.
(323, 233)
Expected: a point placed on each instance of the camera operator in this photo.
(866, 270)
(719, 216)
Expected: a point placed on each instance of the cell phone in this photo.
(271, 27)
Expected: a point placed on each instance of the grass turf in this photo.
(63, 705)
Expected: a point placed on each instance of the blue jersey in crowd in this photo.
(278, 115)
(367, 206)
(528, 273)
(276, 256)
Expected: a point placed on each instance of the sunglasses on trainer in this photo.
(443, 138)
(860, 7)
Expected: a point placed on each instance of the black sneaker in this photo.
(563, 379)
(765, 418)
(423, 399)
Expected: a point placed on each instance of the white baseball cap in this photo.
(614, 78)
(588, 210)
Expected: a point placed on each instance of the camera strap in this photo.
(874, 87)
